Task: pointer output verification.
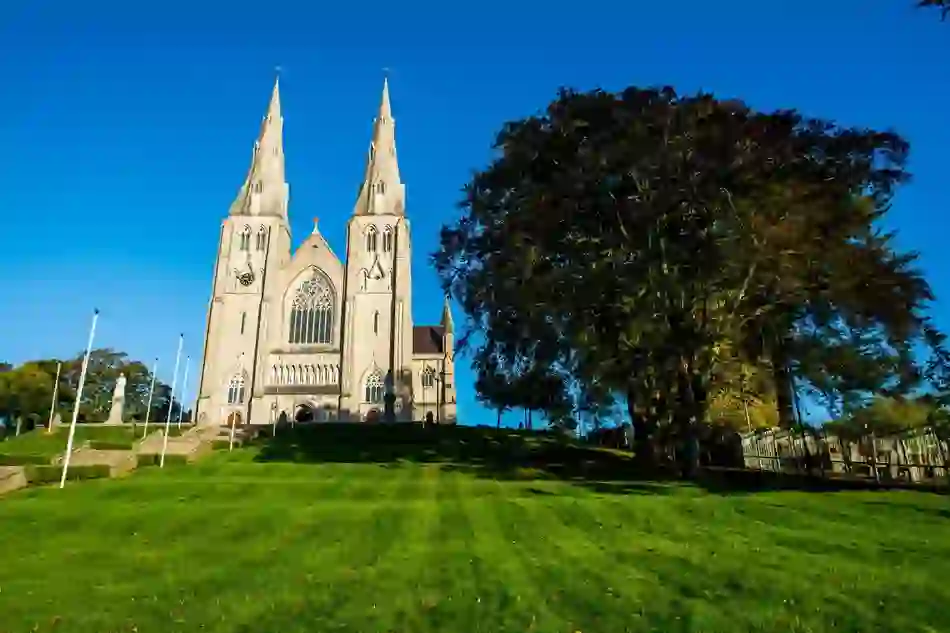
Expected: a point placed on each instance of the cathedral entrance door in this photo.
(304, 414)
(373, 415)
(234, 418)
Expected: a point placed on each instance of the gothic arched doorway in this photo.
(234, 418)
(429, 418)
(303, 414)
(373, 415)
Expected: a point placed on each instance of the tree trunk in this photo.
(645, 426)
(784, 387)
(690, 401)
(498, 420)
(19, 424)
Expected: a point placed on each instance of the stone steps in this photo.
(12, 478)
(119, 462)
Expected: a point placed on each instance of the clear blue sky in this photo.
(126, 131)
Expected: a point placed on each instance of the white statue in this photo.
(118, 401)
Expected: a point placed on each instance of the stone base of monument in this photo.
(114, 420)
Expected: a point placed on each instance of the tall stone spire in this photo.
(382, 191)
(264, 191)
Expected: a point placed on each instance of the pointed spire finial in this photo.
(385, 110)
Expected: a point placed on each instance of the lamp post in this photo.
(389, 398)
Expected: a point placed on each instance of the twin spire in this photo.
(382, 191)
(264, 191)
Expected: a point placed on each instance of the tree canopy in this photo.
(26, 391)
(640, 247)
(942, 5)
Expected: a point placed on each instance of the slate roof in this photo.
(427, 339)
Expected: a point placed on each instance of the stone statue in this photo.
(118, 401)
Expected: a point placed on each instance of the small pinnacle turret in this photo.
(382, 189)
(264, 191)
(447, 321)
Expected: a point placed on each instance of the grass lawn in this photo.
(318, 531)
(39, 442)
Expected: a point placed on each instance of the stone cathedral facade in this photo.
(307, 335)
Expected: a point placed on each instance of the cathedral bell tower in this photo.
(254, 241)
(377, 344)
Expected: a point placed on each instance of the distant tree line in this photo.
(26, 391)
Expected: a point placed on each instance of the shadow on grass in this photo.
(509, 455)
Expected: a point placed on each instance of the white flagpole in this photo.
(171, 400)
(151, 391)
(82, 383)
(184, 390)
(52, 406)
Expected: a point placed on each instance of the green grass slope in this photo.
(461, 530)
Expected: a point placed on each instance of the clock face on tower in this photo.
(245, 277)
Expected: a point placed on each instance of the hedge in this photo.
(46, 474)
(24, 460)
(106, 445)
(153, 459)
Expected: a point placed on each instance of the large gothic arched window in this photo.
(311, 314)
(387, 239)
(236, 390)
(261, 238)
(374, 387)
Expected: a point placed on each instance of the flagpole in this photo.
(171, 400)
(82, 383)
(184, 389)
(52, 406)
(151, 390)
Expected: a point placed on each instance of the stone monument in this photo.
(118, 401)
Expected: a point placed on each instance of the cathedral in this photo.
(308, 336)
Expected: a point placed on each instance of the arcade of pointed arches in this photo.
(305, 374)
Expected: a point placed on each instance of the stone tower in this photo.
(254, 243)
(377, 339)
(310, 336)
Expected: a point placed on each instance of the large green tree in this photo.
(25, 394)
(27, 390)
(621, 240)
(942, 5)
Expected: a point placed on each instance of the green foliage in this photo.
(40, 442)
(619, 242)
(942, 5)
(27, 390)
(150, 459)
(885, 415)
(50, 474)
(106, 445)
(21, 459)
